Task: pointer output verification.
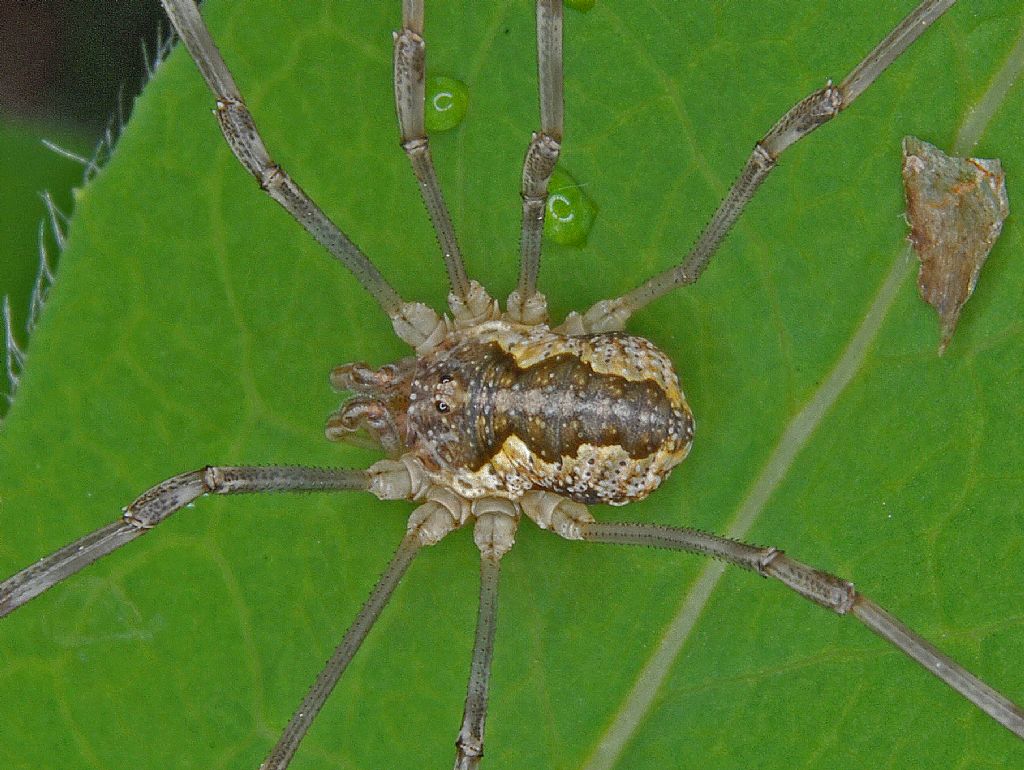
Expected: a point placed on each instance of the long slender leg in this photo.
(410, 69)
(541, 155)
(282, 753)
(414, 322)
(494, 535)
(441, 514)
(158, 503)
(470, 743)
(805, 116)
(822, 588)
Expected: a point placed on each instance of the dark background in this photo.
(63, 62)
(69, 70)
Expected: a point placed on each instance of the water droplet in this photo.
(445, 103)
(570, 213)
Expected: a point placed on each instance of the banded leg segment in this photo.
(158, 503)
(804, 117)
(541, 156)
(410, 71)
(821, 588)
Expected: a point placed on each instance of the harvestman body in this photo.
(499, 415)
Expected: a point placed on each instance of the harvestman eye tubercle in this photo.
(498, 414)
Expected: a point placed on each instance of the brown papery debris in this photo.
(955, 208)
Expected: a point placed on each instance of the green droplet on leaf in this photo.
(446, 100)
(569, 213)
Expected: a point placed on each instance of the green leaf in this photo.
(193, 322)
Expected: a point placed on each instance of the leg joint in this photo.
(820, 587)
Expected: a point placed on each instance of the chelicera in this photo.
(501, 414)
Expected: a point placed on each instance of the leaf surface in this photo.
(194, 323)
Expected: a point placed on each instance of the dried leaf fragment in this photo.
(955, 208)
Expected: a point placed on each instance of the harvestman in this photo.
(496, 415)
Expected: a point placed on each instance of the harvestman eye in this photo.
(556, 416)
